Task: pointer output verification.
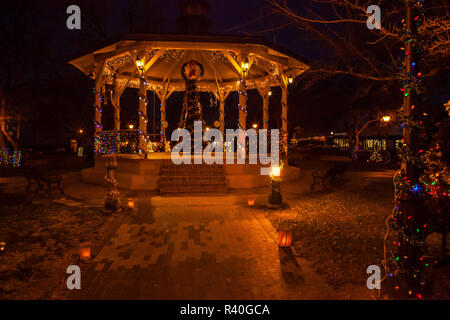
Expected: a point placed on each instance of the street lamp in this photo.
(245, 67)
(131, 126)
(139, 64)
(275, 197)
(290, 80)
(270, 93)
(275, 171)
(386, 119)
(255, 126)
(81, 131)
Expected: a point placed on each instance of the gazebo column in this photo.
(163, 121)
(264, 93)
(242, 57)
(98, 79)
(221, 95)
(284, 119)
(266, 112)
(163, 95)
(142, 114)
(98, 108)
(242, 104)
(222, 114)
(115, 100)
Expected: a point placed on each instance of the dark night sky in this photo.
(62, 93)
(227, 16)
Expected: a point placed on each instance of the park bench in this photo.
(38, 176)
(335, 176)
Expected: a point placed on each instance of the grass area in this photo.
(42, 240)
(341, 231)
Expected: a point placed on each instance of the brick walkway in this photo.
(188, 248)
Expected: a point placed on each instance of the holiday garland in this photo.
(429, 191)
(8, 160)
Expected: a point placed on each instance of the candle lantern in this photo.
(2, 246)
(85, 251)
(251, 202)
(131, 204)
(284, 238)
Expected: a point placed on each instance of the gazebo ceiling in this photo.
(164, 56)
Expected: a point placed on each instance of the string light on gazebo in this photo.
(149, 63)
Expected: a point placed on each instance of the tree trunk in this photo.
(357, 142)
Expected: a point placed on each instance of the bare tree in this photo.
(340, 26)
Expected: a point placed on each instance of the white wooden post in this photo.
(98, 103)
(163, 96)
(143, 114)
(163, 120)
(264, 93)
(221, 95)
(98, 108)
(242, 95)
(116, 104)
(284, 113)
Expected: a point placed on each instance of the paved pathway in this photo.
(197, 248)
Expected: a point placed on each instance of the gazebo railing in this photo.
(118, 141)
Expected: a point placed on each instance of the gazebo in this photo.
(154, 62)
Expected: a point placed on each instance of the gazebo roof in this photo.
(165, 54)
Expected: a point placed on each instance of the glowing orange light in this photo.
(284, 238)
(275, 171)
(131, 204)
(85, 251)
(251, 202)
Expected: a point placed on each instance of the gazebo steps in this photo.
(184, 179)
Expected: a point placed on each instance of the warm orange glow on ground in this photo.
(85, 251)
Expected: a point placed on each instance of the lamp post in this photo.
(275, 197)
(386, 120)
(139, 64)
(245, 67)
